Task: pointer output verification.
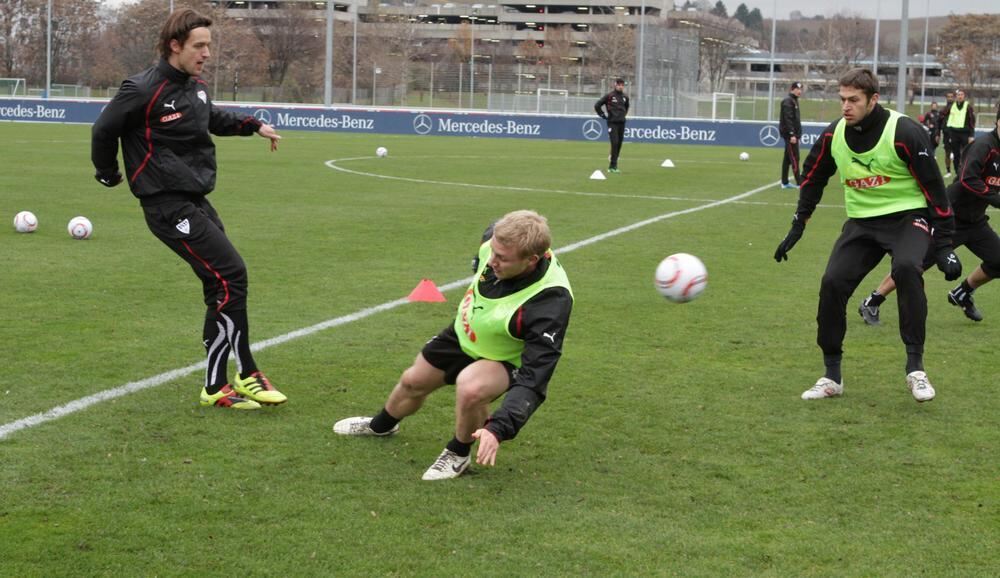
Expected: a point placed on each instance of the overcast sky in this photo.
(888, 9)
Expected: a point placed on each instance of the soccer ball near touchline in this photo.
(681, 277)
(381, 152)
(25, 222)
(744, 156)
(80, 228)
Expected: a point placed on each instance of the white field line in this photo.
(792, 202)
(159, 379)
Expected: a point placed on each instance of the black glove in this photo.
(602, 115)
(109, 178)
(948, 263)
(793, 236)
(993, 200)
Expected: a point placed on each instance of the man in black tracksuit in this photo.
(616, 103)
(164, 119)
(790, 127)
(960, 118)
(896, 204)
(977, 187)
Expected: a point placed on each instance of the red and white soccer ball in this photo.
(80, 228)
(25, 222)
(681, 277)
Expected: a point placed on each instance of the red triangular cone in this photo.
(426, 290)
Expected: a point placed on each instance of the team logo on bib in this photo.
(203, 96)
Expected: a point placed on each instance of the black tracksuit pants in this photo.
(192, 229)
(791, 159)
(959, 140)
(616, 132)
(861, 246)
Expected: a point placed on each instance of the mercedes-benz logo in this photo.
(422, 124)
(263, 115)
(592, 129)
(769, 135)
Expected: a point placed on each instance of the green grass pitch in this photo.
(673, 441)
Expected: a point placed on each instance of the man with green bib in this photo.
(506, 338)
(960, 119)
(896, 204)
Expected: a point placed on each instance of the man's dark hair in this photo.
(619, 81)
(862, 79)
(998, 110)
(795, 85)
(179, 26)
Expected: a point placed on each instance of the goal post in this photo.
(716, 96)
(552, 96)
(13, 87)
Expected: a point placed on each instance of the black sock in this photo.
(832, 363)
(383, 422)
(217, 350)
(460, 448)
(875, 299)
(238, 331)
(914, 362)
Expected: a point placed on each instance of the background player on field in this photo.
(978, 186)
(613, 107)
(790, 126)
(960, 118)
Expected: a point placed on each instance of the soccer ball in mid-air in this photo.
(80, 228)
(25, 222)
(681, 277)
(744, 156)
(381, 152)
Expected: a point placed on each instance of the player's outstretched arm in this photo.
(267, 131)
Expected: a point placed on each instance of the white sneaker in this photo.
(447, 465)
(920, 387)
(947, 174)
(825, 387)
(360, 426)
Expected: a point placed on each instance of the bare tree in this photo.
(19, 20)
(613, 50)
(290, 36)
(968, 48)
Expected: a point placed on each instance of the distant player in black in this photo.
(978, 186)
(790, 126)
(616, 103)
(960, 118)
(164, 119)
(932, 123)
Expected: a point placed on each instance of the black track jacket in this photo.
(912, 147)
(978, 183)
(790, 123)
(164, 118)
(616, 103)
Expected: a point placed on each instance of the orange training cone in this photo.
(426, 290)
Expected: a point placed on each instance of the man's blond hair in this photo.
(526, 231)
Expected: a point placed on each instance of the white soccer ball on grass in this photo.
(25, 222)
(80, 228)
(681, 277)
(381, 152)
(744, 156)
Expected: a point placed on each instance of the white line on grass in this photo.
(149, 382)
(333, 165)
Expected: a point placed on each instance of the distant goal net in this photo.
(13, 87)
(721, 101)
(552, 100)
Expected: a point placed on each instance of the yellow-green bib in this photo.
(876, 182)
(956, 116)
(482, 324)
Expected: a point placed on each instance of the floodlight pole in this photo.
(354, 60)
(770, 83)
(904, 37)
(878, 5)
(48, 53)
(328, 65)
(923, 72)
(472, 58)
(642, 62)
